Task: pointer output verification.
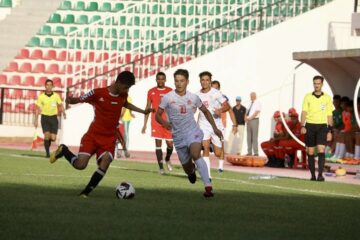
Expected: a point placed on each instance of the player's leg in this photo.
(218, 151)
(54, 125)
(187, 164)
(310, 142)
(357, 146)
(126, 137)
(249, 139)
(159, 155)
(169, 150)
(195, 152)
(45, 124)
(268, 149)
(321, 142)
(103, 164)
(206, 154)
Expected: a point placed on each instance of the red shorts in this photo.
(96, 144)
(159, 132)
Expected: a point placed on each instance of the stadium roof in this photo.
(341, 68)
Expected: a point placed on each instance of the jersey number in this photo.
(182, 109)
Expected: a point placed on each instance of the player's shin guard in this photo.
(203, 171)
(207, 161)
(94, 181)
(321, 163)
(311, 160)
(159, 157)
(47, 146)
(69, 156)
(168, 154)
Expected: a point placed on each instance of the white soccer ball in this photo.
(125, 191)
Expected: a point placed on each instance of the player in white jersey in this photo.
(187, 136)
(216, 103)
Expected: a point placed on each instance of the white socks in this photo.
(202, 168)
(207, 161)
(221, 164)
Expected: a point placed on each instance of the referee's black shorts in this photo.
(315, 134)
(49, 124)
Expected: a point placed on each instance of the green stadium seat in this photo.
(61, 43)
(111, 33)
(169, 9)
(55, 18)
(34, 42)
(191, 11)
(47, 43)
(114, 45)
(59, 31)
(106, 7)
(95, 18)
(155, 9)
(88, 44)
(71, 29)
(98, 32)
(45, 30)
(122, 20)
(69, 19)
(6, 3)
(100, 45)
(80, 6)
(145, 21)
(65, 5)
(183, 22)
(82, 19)
(92, 7)
(183, 10)
(118, 7)
(72, 44)
(128, 46)
(136, 34)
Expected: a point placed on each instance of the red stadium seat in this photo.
(12, 67)
(39, 68)
(3, 79)
(25, 67)
(57, 82)
(31, 94)
(75, 56)
(127, 58)
(17, 93)
(102, 57)
(32, 107)
(62, 56)
(23, 54)
(19, 107)
(50, 55)
(53, 69)
(36, 54)
(69, 82)
(89, 57)
(41, 81)
(7, 107)
(7, 93)
(15, 80)
(29, 81)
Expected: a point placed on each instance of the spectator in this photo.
(236, 139)
(252, 125)
(126, 117)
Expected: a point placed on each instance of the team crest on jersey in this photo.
(189, 102)
(172, 102)
(101, 99)
(153, 93)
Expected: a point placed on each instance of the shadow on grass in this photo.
(33, 212)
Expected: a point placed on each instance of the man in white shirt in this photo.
(252, 125)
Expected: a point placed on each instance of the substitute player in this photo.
(179, 105)
(216, 103)
(100, 139)
(158, 132)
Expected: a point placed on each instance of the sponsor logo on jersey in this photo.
(101, 99)
(114, 103)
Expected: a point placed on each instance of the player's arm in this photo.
(211, 121)
(160, 120)
(146, 116)
(72, 100)
(233, 119)
(36, 117)
(136, 109)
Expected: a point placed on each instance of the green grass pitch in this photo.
(39, 200)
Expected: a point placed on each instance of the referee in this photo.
(317, 114)
(48, 104)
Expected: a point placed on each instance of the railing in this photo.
(197, 39)
(17, 105)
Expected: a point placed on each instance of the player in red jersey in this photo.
(158, 132)
(100, 139)
(271, 148)
(290, 146)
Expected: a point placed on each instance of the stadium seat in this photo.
(31, 94)
(95, 18)
(52, 69)
(60, 43)
(36, 54)
(92, 6)
(34, 42)
(19, 107)
(82, 19)
(32, 106)
(57, 82)
(39, 68)
(41, 81)
(23, 54)
(59, 31)
(47, 43)
(50, 55)
(12, 67)
(3, 79)
(55, 18)
(6, 3)
(102, 57)
(69, 19)
(80, 6)
(106, 7)
(62, 56)
(29, 81)
(118, 7)
(17, 94)
(65, 5)
(44, 30)
(7, 107)
(15, 80)
(25, 67)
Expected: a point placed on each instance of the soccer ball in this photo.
(125, 191)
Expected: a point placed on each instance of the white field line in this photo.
(217, 178)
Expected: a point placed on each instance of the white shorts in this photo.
(183, 147)
(210, 135)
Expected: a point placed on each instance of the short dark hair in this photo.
(345, 99)
(318, 77)
(350, 103)
(182, 72)
(205, 73)
(337, 97)
(49, 80)
(215, 82)
(160, 74)
(126, 77)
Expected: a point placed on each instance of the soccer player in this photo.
(317, 114)
(47, 104)
(158, 132)
(179, 105)
(216, 103)
(100, 139)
